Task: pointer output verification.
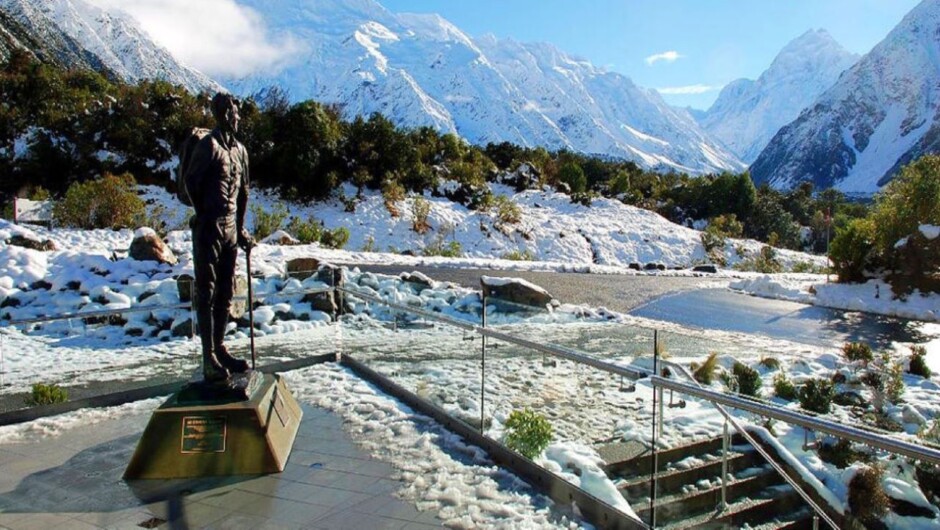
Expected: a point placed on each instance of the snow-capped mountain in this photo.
(422, 70)
(45, 42)
(748, 113)
(113, 39)
(881, 114)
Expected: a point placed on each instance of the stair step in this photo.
(630, 459)
(679, 506)
(673, 480)
(759, 514)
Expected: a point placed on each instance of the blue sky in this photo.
(717, 41)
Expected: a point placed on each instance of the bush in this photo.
(765, 262)
(705, 373)
(393, 193)
(336, 238)
(266, 223)
(784, 388)
(857, 352)
(369, 245)
(47, 395)
(816, 396)
(308, 231)
(744, 380)
(446, 250)
(894, 386)
(527, 433)
(918, 362)
(507, 212)
(771, 363)
(108, 202)
(516, 255)
(839, 453)
(420, 210)
(850, 250)
(867, 498)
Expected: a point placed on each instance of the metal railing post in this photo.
(654, 467)
(483, 367)
(725, 443)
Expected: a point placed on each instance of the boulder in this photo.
(709, 269)
(147, 246)
(330, 275)
(911, 415)
(281, 238)
(515, 290)
(302, 268)
(35, 244)
(420, 281)
(185, 287)
(850, 399)
(239, 307)
(324, 302)
(182, 328)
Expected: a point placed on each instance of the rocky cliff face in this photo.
(747, 114)
(881, 114)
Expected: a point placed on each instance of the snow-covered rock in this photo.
(882, 113)
(747, 114)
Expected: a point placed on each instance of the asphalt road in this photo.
(621, 293)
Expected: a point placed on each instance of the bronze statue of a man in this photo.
(216, 180)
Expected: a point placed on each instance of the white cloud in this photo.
(669, 57)
(690, 89)
(218, 37)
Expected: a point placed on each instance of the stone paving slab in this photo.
(73, 481)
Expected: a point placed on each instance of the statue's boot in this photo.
(232, 364)
(212, 370)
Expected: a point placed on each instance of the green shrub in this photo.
(771, 363)
(743, 379)
(527, 433)
(918, 362)
(47, 395)
(816, 395)
(783, 387)
(840, 453)
(450, 249)
(705, 373)
(894, 386)
(765, 262)
(108, 202)
(516, 255)
(369, 244)
(507, 212)
(266, 223)
(857, 352)
(309, 231)
(867, 498)
(393, 193)
(931, 433)
(851, 248)
(420, 210)
(336, 238)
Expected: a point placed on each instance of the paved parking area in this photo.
(74, 481)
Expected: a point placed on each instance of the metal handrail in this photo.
(654, 379)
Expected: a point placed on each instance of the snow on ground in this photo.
(874, 296)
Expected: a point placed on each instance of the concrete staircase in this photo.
(689, 487)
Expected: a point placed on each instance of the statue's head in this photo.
(225, 110)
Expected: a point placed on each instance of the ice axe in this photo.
(251, 305)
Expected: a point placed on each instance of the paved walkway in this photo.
(73, 481)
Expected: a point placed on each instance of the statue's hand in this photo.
(245, 241)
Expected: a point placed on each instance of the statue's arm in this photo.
(196, 173)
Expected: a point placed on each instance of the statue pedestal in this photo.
(199, 432)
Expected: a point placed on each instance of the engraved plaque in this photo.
(280, 410)
(203, 434)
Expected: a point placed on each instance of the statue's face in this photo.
(231, 118)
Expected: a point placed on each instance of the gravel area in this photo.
(615, 292)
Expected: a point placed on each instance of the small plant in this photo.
(784, 388)
(507, 212)
(705, 373)
(765, 262)
(393, 193)
(516, 255)
(894, 385)
(447, 250)
(369, 245)
(840, 453)
(527, 432)
(743, 379)
(816, 395)
(867, 498)
(266, 223)
(306, 232)
(336, 238)
(420, 210)
(770, 363)
(47, 395)
(918, 364)
(931, 434)
(857, 352)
